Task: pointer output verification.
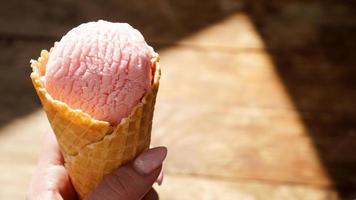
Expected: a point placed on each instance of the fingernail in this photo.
(160, 178)
(150, 160)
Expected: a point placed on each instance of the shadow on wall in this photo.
(29, 26)
(315, 61)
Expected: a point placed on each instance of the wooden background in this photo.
(257, 100)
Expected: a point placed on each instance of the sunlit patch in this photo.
(222, 94)
(235, 31)
(20, 143)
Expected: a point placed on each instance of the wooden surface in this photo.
(257, 100)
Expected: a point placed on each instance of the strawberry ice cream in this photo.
(102, 68)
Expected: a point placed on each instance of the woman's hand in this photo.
(132, 181)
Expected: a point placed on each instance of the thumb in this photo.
(134, 180)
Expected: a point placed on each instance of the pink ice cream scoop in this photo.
(102, 68)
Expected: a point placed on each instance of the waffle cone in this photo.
(92, 148)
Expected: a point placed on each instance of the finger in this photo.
(132, 181)
(149, 160)
(160, 178)
(50, 153)
(49, 195)
(125, 184)
(57, 176)
(50, 177)
(151, 195)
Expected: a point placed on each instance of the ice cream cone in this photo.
(92, 148)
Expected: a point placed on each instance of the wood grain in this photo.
(206, 188)
(257, 101)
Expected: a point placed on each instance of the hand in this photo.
(132, 181)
